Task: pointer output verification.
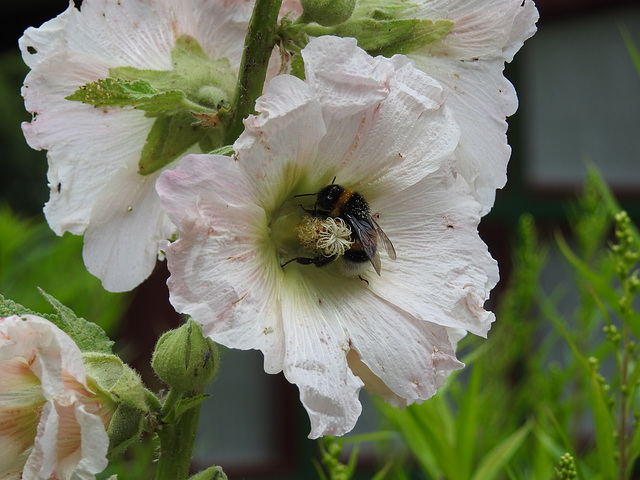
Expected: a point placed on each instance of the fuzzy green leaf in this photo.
(116, 92)
(87, 335)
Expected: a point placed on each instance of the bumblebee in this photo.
(337, 202)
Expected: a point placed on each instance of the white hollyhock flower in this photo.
(94, 153)
(382, 129)
(468, 61)
(52, 423)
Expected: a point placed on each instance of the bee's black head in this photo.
(328, 196)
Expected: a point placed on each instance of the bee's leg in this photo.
(363, 279)
(313, 212)
(318, 261)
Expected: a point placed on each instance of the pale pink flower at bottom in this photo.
(52, 425)
(377, 126)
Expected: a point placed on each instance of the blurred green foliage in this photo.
(32, 256)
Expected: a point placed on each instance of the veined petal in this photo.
(269, 142)
(433, 225)
(316, 345)
(469, 62)
(343, 76)
(243, 275)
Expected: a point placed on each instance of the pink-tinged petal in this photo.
(404, 352)
(243, 274)
(127, 225)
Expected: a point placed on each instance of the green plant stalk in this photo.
(176, 442)
(622, 426)
(258, 45)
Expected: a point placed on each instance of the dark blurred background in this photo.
(579, 102)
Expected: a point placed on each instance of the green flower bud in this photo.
(185, 360)
(327, 12)
(213, 473)
(110, 376)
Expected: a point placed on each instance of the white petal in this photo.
(406, 136)
(469, 62)
(37, 43)
(343, 76)
(444, 272)
(477, 90)
(282, 140)
(315, 358)
(122, 241)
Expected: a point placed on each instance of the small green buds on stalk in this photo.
(185, 360)
(113, 379)
(327, 12)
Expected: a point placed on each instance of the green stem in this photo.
(176, 443)
(258, 45)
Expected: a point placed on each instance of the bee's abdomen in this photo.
(356, 256)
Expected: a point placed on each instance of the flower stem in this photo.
(176, 442)
(258, 45)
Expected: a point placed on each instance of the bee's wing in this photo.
(386, 243)
(368, 236)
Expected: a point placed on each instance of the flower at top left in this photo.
(112, 88)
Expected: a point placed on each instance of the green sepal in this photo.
(211, 473)
(184, 404)
(381, 27)
(87, 335)
(123, 386)
(169, 137)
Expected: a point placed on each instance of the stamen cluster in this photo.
(329, 236)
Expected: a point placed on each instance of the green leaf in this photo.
(467, 422)
(631, 47)
(387, 37)
(600, 285)
(9, 308)
(87, 335)
(604, 430)
(500, 455)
